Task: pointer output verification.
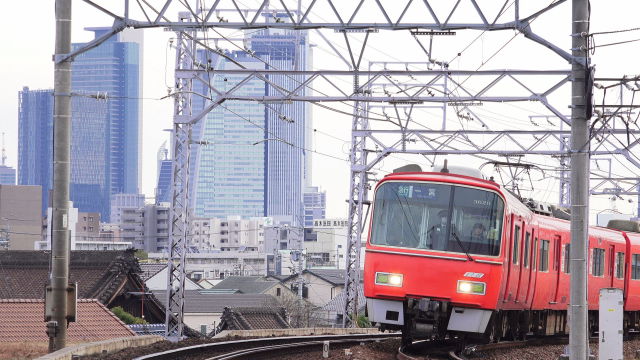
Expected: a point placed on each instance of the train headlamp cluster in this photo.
(471, 287)
(389, 279)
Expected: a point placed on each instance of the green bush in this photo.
(126, 317)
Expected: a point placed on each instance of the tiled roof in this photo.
(332, 276)
(148, 329)
(148, 270)
(252, 318)
(111, 277)
(98, 273)
(337, 303)
(247, 284)
(22, 320)
(198, 301)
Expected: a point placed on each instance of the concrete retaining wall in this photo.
(295, 332)
(99, 347)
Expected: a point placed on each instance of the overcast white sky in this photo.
(29, 30)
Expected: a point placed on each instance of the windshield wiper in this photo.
(460, 244)
(408, 221)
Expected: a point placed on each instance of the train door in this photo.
(556, 256)
(523, 283)
(531, 264)
(514, 262)
(612, 264)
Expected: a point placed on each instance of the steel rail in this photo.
(262, 349)
(231, 346)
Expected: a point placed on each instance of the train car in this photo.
(457, 254)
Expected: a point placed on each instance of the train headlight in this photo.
(389, 279)
(471, 287)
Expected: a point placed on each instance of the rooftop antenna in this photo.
(4, 153)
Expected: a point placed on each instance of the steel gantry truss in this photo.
(374, 135)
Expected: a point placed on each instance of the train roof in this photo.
(439, 176)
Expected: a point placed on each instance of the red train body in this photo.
(455, 254)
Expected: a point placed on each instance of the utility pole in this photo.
(580, 73)
(59, 279)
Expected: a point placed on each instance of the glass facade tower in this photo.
(254, 163)
(35, 140)
(230, 171)
(105, 149)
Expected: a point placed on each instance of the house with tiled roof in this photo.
(203, 309)
(156, 277)
(320, 285)
(252, 318)
(255, 285)
(110, 277)
(22, 321)
(332, 313)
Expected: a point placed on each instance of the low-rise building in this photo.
(229, 234)
(218, 264)
(147, 227)
(326, 243)
(20, 216)
(203, 309)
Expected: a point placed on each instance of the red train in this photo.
(456, 254)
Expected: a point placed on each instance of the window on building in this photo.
(635, 266)
(620, 265)
(90, 218)
(597, 268)
(567, 257)
(544, 255)
(278, 292)
(516, 244)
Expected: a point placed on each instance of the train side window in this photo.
(620, 265)
(597, 268)
(544, 255)
(525, 259)
(567, 257)
(516, 244)
(635, 267)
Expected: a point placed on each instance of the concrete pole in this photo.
(61, 174)
(579, 335)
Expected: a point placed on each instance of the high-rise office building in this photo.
(230, 174)
(105, 149)
(163, 185)
(35, 141)
(113, 68)
(254, 163)
(288, 168)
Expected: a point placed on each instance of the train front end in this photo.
(433, 261)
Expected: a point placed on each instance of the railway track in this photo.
(442, 350)
(260, 348)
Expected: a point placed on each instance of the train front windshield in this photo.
(438, 217)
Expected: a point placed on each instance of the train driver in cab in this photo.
(439, 233)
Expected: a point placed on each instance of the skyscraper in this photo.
(113, 68)
(35, 140)
(254, 163)
(105, 137)
(288, 168)
(230, 170)
(163, 187)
